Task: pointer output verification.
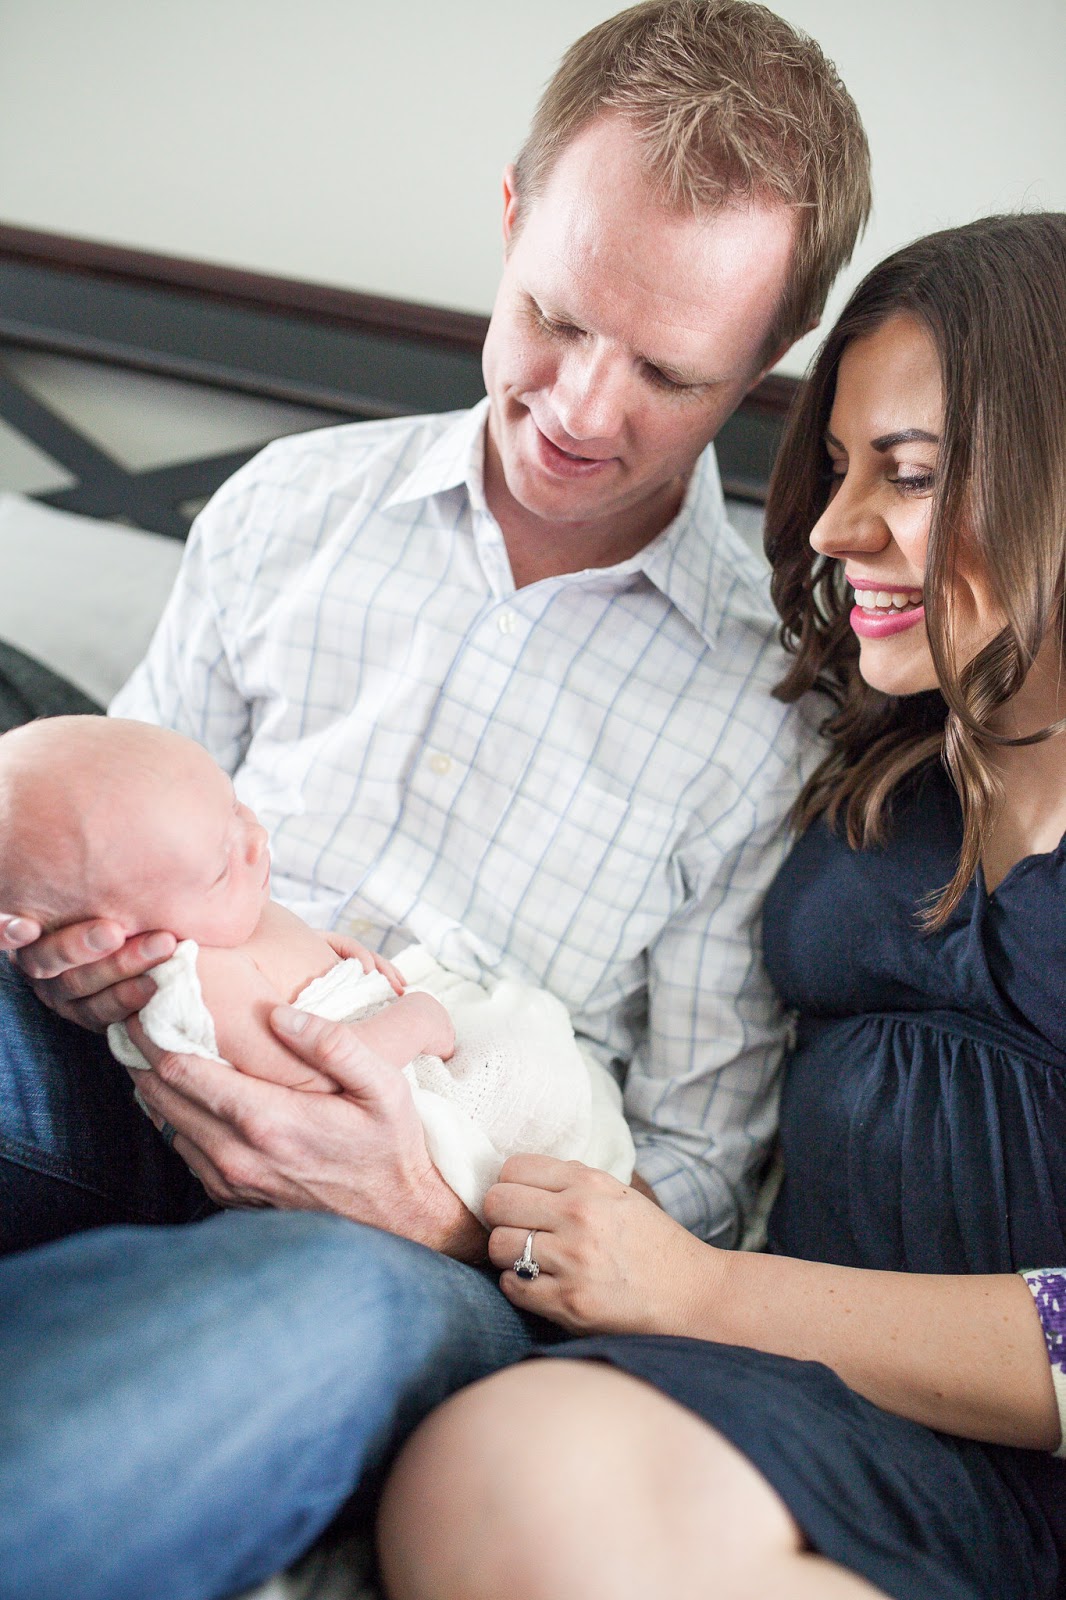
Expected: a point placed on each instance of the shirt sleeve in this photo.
(702, 1089)
(1048, 1288)
(188, 679)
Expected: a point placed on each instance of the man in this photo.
(498, 682)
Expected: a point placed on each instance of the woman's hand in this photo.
(89, 972)
(610, 1260)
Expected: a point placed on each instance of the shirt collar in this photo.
(693, 562)
(690, 561)
(456, 459)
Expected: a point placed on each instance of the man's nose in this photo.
(850, 523)
(589, 395)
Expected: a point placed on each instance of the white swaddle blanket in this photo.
(518, 1082)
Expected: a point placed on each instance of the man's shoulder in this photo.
(352, 449)
(309, 489)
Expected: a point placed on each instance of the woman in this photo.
(877, 1410)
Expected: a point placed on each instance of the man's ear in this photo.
(510, 204)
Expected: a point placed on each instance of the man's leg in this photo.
(76, 1151)
(183, 1409)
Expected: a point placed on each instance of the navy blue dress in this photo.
(924, 1130)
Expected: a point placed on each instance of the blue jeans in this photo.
(187, 1397)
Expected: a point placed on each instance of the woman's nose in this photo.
(850, 522)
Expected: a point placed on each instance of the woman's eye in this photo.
(914, 482)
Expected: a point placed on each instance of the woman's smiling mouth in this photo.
(881, 611)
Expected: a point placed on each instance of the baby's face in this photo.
(202, 869)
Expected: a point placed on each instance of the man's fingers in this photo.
(80, 944)
(89, 956)
(336, 1049)
(226, 1165)
(98, 1011)
(17, 931)
(214, 1087)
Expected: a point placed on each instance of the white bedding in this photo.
(80, 594)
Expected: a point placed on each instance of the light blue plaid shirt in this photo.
(583, 783)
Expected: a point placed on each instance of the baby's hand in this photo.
(370, 960)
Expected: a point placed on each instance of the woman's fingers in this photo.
(517, 1205)
(507, 1245)
(542, 1172)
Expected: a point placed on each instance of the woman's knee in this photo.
(571, 1477)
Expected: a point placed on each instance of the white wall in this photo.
(361, 143)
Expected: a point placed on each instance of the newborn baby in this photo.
(101, 817)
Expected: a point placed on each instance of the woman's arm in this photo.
(961, 1354)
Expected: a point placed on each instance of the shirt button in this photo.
(507, 622)
(359, 927)
(440, 764)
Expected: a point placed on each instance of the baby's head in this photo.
(101, 817)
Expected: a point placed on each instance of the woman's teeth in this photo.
(887, 599)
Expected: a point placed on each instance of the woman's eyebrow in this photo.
(888, 441)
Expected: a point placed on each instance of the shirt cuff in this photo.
(1048, 1288)
(693, 1193)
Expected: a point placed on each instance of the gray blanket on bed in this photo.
(29, 689)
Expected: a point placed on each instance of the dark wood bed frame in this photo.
(346, 354)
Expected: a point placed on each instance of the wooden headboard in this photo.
(343, 354)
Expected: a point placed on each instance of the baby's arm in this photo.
(240, 1000)
(417, 1025)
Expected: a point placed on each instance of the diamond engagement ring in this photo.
(526, 1266)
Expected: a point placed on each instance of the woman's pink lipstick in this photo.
(883, 620)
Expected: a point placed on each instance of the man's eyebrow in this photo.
(688, 380)
(679, 375)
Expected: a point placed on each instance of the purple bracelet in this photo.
(1048, 1288)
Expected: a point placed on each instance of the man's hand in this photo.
(611, 1260)
(360, 1153)
(89, 972)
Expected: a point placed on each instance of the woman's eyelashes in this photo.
(916, 482)
(909, 480)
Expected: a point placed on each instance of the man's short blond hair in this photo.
(730, 103)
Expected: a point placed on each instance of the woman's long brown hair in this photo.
(992, 297)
